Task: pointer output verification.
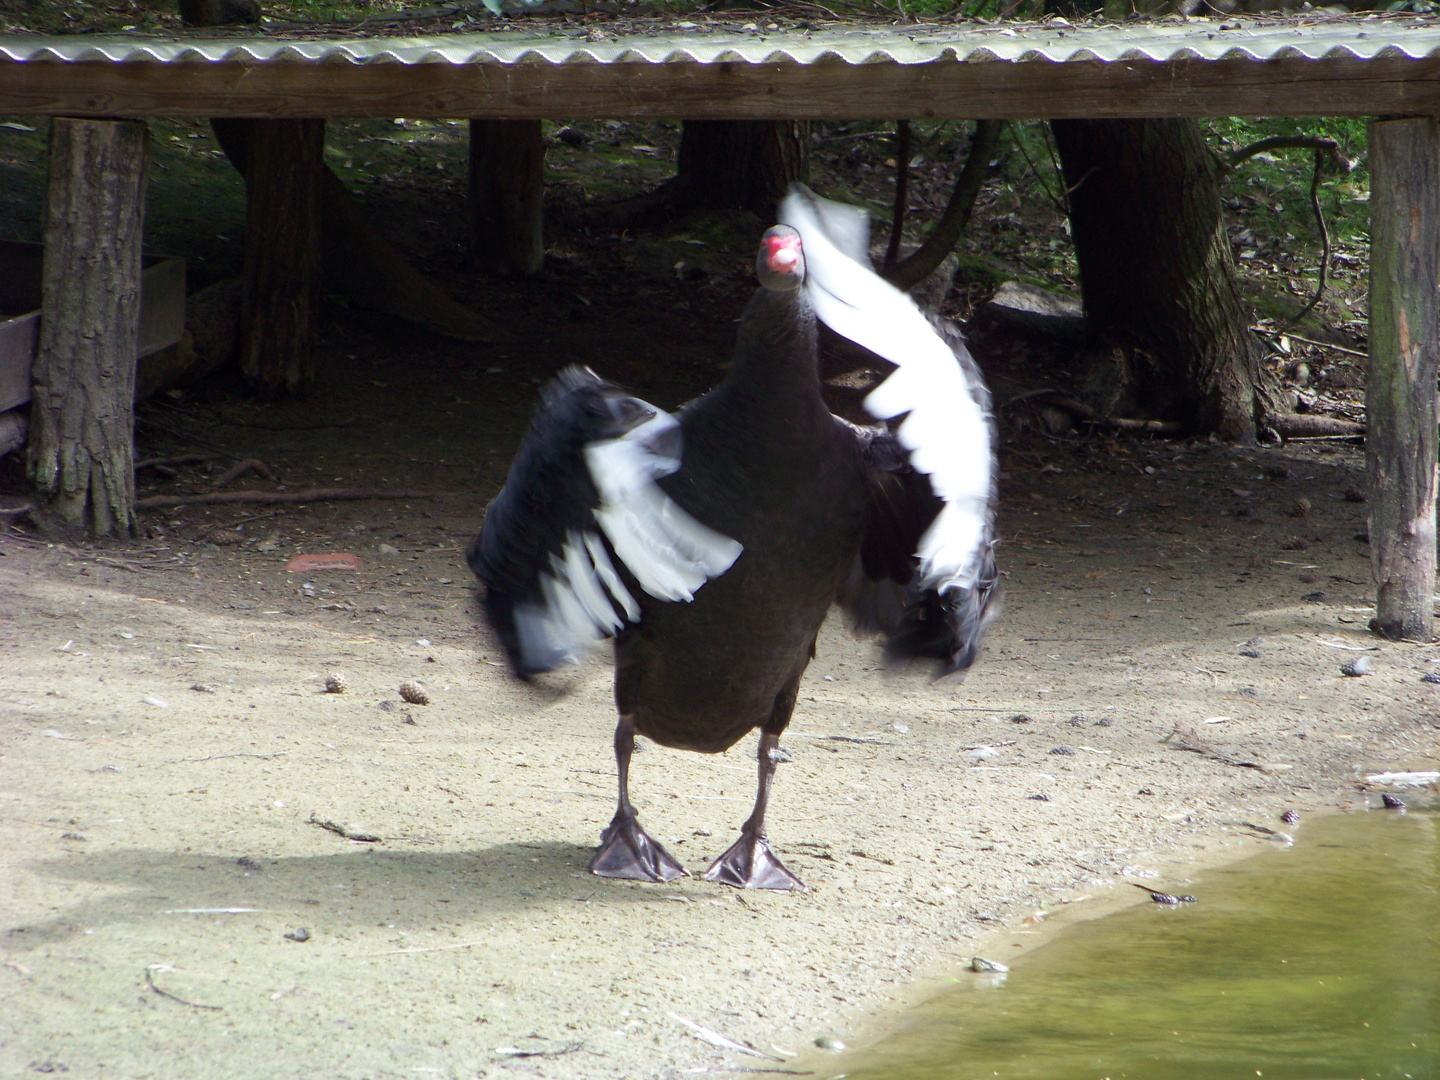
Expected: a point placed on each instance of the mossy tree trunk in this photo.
(82, 418)
(507, 196)
(280, 298)
(741, 164)
(1158, 277)
(1400, 438)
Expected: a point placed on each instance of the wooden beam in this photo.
(507, 196)
(1287, 86)
(82, 407)
(1400, 444)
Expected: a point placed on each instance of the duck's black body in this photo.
(765, 463)
(728, 536)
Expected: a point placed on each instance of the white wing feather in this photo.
(945, 431)
(669, 552)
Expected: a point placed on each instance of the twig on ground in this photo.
(1189, 739)
(1311, 341)
(347, 833)
(714, 1038)
(161, 462)
(220, 757)
(152, 502)
(150, 982)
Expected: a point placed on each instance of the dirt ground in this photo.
(167, 752)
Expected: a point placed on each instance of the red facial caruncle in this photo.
(782, 253)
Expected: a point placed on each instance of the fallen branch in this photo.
(16, 511)
(150, 982)
(902, 193)
(153, 502)
(1307, 425)
(238, 470)
(924, 260)
(1080, 411)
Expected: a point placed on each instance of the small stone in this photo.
(1076, 721)
(1357, 667)
(979, 963)
(572, 136)
(1063, 751)
(1104, 721)
(159, 703)
(1020, 718)
(829, 1042)
(1300, 508)
(1295, 543)
(1276, 472)
(335, 683)
(1354, 495)
(298, 934)
(1290, 817)
(1392, 802)
(414, 693)
(202, 688)
(981, 753)
(388, 549)
(1041, 797)
(1253, 654)
(1314, 597)
(1432, 677)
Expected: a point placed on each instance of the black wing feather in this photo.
(548, 495)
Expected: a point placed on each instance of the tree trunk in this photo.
(82, 413)
(1400, 444)
(282, 254)
(741, 164)
(507, 195)
(1157, 275)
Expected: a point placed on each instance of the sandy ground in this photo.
(159, 840)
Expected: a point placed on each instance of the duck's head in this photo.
(780, 266)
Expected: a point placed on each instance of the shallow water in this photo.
(1316, 962)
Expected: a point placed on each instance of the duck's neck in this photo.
(776, 355)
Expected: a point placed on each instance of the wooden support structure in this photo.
(1400, 445)
(507, 195)
(282, 253)
(82, 419)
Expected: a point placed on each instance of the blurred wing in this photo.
(581, 523)
(945, 436)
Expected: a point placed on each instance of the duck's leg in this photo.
(749, 864)
(625, 849)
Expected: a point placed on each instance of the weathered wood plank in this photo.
(1288, 86)
(1400, 444)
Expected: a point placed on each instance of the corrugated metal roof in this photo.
(1055, 41)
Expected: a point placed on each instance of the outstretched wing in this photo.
(926, 575)
(581, 523)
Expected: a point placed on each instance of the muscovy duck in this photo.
(712, 546)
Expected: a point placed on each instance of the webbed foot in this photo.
(626, 851)
(750, 864)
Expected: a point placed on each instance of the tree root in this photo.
(156, 502)
(1306, 425)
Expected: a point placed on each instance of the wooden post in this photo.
(507, 195)
(82, 418)
(282, 253)
(1400, 441)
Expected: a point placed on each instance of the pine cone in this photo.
(414, 693)
(335, 683)
(1301, 508)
